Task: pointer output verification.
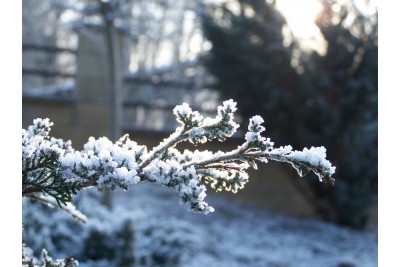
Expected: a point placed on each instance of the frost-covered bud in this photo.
(125, 177)
(314, 159)
(41, 127)
(192, 192)
(187, 117)
(101, 144)
(253, 136)
(223, 125)
(223, 180)
(228, 106)
(66, 146)
(197, 136)
(183, 110)
(255, 124)
(71, 160)
(159, 172)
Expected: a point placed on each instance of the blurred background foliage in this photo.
(307, 98)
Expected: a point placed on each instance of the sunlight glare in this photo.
(300, 16)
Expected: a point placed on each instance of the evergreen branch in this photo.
(52, 167)
(69, 208)
(172, 141)
(220, 157)
(220, 167)
(31, 189)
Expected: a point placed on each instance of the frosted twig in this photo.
(54, 168)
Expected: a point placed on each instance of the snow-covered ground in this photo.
(240, 235)
(167, 234)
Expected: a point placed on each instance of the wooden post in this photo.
(100, 72)
(115, 83)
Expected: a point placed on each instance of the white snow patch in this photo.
(240, 235)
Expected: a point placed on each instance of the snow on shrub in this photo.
(117, 237)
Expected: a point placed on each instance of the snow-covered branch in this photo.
(69, 208)
(52, 167)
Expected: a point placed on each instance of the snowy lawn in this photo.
(147, 227)
(239, 235)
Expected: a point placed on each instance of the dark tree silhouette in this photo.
(331, 102)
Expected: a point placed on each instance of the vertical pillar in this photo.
(99, 82)
(100, 70)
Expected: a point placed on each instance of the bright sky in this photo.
(300, 15)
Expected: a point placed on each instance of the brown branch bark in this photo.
(32, 189)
